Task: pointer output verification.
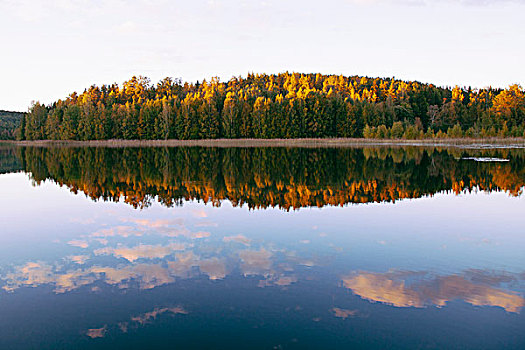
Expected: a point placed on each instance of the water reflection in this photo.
(100, 274)
(147, 266)
(418, 289)
(136, 321)
(270, 177)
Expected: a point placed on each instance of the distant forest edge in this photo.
(286, 105)
(9, 123)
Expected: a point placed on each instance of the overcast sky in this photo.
(51, 48)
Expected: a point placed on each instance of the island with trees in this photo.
(278, 106)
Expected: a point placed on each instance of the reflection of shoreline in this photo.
(288, 178)
(419, 289)
(310, 142)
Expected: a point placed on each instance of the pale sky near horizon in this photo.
(51, 48)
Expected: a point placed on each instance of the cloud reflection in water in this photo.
(418, 289)
(183, 254)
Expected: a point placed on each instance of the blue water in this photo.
(439, 272)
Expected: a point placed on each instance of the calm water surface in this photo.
(372, 248)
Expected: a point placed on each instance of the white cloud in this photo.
(128, 27)
(79, 259)
(237, 238)
(78, 243)
(152, 315)
(97, 332)
(142, 251)
(436, 2)
(443, 42)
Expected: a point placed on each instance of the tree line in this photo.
(9, 123)
(285, 105)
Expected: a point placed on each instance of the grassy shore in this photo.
(312, 143)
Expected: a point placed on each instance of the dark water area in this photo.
(265, 248)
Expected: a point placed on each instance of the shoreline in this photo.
(302, 143)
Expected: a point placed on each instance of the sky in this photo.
(54, 47)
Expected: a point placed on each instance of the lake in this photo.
(263, 248)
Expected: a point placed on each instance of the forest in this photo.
(285, 105)
(287, 178)
(9, 123)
